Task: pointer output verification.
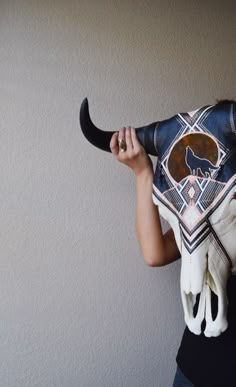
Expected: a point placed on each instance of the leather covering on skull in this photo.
(194, 188)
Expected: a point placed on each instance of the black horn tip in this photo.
(84, 103)
(84, 110)
(85, 120)
(97, 137)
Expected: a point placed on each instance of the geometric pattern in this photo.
(194, 197)
(193, 186)
(193, 218)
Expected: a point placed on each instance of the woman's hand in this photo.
(134, 156)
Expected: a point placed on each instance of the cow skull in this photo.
(206, 269)
(194, 187)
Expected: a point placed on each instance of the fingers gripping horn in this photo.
(101, 139)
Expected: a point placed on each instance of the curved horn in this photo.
(101, 139)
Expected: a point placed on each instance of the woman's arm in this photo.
(158, 249)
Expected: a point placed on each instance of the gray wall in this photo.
(78, 306)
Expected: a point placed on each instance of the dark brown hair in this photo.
(224, 101)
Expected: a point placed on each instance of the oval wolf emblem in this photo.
(194, 154)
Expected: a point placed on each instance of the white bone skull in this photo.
(194, 188)
(201, 209)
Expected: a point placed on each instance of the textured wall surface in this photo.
(78, 306)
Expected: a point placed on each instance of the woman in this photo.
(207, 362)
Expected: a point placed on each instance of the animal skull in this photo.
(194, 187)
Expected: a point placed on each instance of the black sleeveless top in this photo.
(211, 362)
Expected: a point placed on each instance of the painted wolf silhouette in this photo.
(197, 164)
